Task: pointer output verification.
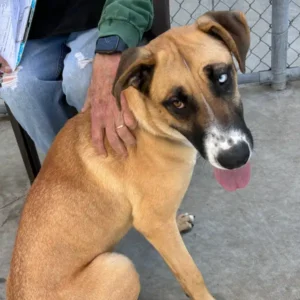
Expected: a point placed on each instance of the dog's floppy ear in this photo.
(135, 69)
(232, 28)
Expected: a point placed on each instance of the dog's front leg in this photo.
(165, 237)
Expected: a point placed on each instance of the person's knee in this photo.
(76, 78)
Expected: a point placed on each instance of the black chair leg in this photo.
(27, 148)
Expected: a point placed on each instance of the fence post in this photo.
(280, 24)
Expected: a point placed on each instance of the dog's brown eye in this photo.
(178, 104)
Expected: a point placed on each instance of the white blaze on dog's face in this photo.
(186, 87)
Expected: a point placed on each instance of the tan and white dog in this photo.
(182, 88)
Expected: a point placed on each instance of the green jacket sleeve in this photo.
(129, 19)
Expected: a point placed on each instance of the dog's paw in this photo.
(185, 222)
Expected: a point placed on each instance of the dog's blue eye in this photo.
(223, 78)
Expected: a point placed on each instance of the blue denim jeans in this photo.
(53, 77)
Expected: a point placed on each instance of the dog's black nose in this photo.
(234, 157)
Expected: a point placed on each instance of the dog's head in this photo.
(187, 86)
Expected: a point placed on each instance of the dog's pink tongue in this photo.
(232, 180)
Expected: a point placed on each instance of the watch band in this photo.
(110, 45)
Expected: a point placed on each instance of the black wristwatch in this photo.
(110, 45)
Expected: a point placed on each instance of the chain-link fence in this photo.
(268, 21)
(293, 57)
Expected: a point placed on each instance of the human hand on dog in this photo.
(106, 117)
(4, 69)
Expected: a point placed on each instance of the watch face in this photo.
(108, 44)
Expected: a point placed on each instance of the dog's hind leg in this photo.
(110, 276)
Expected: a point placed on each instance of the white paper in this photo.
(14, 23)
(15, 11)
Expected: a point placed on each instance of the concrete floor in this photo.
(245, 243)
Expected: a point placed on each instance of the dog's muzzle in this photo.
(229, 149)
(235, 157)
